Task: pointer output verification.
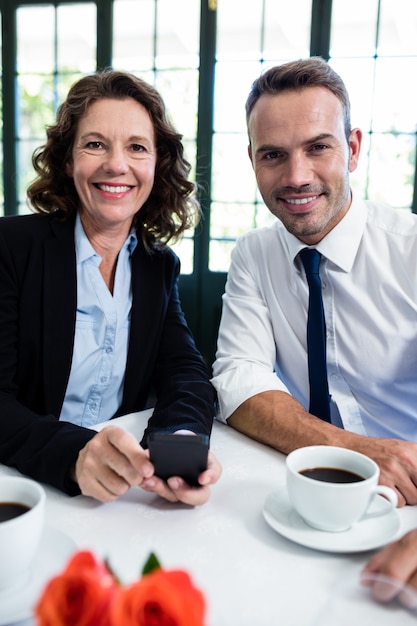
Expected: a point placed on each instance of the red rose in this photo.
(161, 598)
(81, 595)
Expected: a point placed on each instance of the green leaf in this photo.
(151, 564)
(113, 573)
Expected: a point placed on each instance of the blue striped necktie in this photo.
(316, 337)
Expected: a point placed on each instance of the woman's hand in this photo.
(110, 463)
(113, 461)
(177, 490)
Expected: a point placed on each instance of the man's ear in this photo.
(250, 153)
(355, 141)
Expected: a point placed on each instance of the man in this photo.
(303, 149)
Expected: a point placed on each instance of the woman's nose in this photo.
(116, 162)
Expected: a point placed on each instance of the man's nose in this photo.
(297, 171)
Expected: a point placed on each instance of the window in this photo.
(154, 41)
(56, 45)
(378, 71)
(202, 55)
(264, 34)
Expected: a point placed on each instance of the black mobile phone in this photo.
(179, 455)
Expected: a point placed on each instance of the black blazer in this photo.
(37, 324)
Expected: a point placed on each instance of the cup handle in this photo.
(389, 494)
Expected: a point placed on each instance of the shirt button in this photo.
(93, 406)
(334, 376)
(103, 379)
(109, 349)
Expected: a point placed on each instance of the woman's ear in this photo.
(69, 169)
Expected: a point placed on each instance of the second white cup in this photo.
(331, 487)
(22, 504)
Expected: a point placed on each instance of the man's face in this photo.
(302, 159)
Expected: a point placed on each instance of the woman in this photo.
(91, 321)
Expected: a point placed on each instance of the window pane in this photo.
(395, 96)
(133, 34)
(158, 40)
(353, 31)
(26, 174)
(398, 27)
(36, 31)
(233, 83)
(177, 43)
(382, 91)
(76, 45)
(239, 32)
(392, 165)
(287, 29)
(150, 34)
(231, 219)
(359, 77)
(233, 178)
(56, 45)
(179, 89)
(262, 34)
(219, 255)
(184, 248)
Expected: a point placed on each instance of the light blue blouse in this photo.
(95, 386)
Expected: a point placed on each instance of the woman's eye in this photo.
(94, 145)
(137, 147)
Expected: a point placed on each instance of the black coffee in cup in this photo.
(331, 475)
(10, 510)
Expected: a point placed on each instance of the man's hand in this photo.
(397, 461)
(278, 420)
(397, 561)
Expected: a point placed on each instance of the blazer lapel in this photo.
(60, 302)
(148, 302)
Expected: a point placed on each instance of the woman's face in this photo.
(113, 163)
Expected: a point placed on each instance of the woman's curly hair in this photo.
(171, 207)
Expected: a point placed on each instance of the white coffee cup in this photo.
(19, 536)
(333, 506)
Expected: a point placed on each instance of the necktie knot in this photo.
(311, 260)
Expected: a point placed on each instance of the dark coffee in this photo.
(331, 475)
(10, 510)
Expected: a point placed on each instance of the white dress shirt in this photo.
(369, 284)
(95, 386)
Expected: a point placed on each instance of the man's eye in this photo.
(272, 155)
(318, 147)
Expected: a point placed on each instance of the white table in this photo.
(250, 574)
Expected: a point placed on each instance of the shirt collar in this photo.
(341, 245)
(84, 249)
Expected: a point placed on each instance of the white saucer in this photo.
(54, 551)
(368, 534)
